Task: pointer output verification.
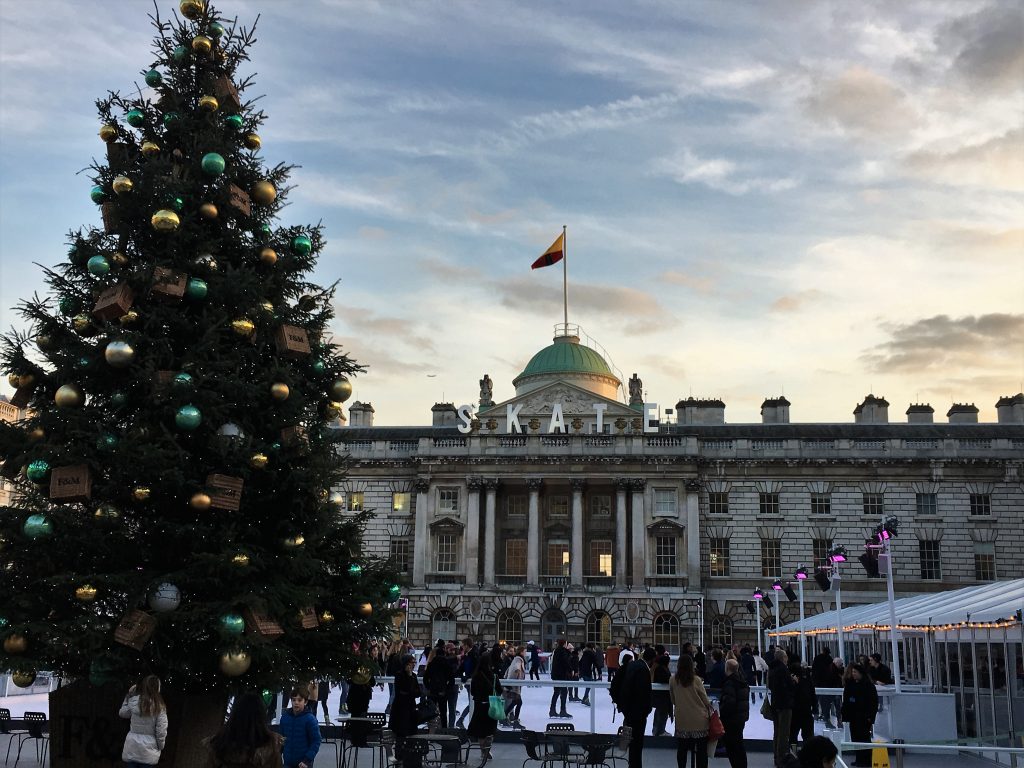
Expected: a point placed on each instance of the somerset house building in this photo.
(568, 509)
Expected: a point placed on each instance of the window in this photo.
(401, 554)
(984, 560)
(601, 557)
(665, 502)
(821, 504)
(515, 557)
(721, 631)
(981, 504)
(931, 560)
(447, 552)
(718, 503)
(599, 630)
(558, 506)
(771, 558)
(769, 503)
(510, 626)
(600, 506)
(874, 504)
(442, 625)
(719, 557)
(448, 501)
(516, 506)
(400, 501)
(355, 501)
(665, 555)
(926, 504)
(821, 548)
(666, 631)
(557, 561)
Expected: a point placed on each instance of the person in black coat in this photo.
(860, 705)
(534, 652)
(734, 709)
(560, 670)
(782, 687)
(804, 699)
(588, 669)
(716, 672)
(439, 680)
(482, 686)
(574, 671)
(823, 675)
(634, 700)
(661, 700)
(403, 709)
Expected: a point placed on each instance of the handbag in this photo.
(715, 728)
(495, 703)
(426, 711)
(767, 711)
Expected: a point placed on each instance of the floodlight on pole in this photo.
(801, 576)
(777, 585)
(890, 525)
(837, 554)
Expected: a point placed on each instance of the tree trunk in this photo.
(86, 732)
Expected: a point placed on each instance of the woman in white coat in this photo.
(148, 732)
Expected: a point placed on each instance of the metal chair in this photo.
(337, 742)
(35, 722)
(454, 753)
(412, 753)
(620, 750)
(534, 754)
(560, 747)
(7, 729)
(595, 751)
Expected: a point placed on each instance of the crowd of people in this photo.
(707, 697)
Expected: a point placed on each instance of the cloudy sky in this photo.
(809, 198)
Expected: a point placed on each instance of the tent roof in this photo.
(982, 604)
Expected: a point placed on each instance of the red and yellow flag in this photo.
(552, 255)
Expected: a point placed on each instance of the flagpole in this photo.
(565, 281)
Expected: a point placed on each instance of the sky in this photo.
(815, 199)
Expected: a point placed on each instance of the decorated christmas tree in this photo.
(175, 512)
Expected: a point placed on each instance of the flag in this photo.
(552, 255)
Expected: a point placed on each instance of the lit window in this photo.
(718, 503)
(821, 504)
(771, 558)
(981, 504)
(599, 629)
(355, 501)
(665, 555)
(984, 560)
(931, 560)
(600, 558)
(400, 501)
(719, 557)
(557, 561)
(769, 503)
(665, 502)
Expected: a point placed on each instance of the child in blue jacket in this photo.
(301, 732)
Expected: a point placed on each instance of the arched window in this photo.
(599, 629)
(666, 631)
(510, 627)
(721, 631)
(442, 626)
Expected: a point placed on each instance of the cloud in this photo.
(997, 162)
(699, 283)
(373, 328)
(794, 302)
(990, 54)
(862, 102)
(942, 343)
(719, 174)
(373, 233)
(737, 77)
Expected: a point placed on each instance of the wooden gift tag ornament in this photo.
(292, 341)
(114, 302)
(225, 491)
(239, 200)
(168, 285)
(71, 483)
(261, 624)
(135, 629)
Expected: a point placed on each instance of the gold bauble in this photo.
(279, 391)
(235, 663)
(141, 493)
(192, 9)
(243, 327)
(253, 141)
(332, 409)
(21, 380)
(202, 44)
(122, 185)
(45, 342)
(209, 104)
(119, 354)
(86, 593)
(208, 211)
(165, 221)
(118, 259)
(108, 132)
(326, 617)
(149, 149)
(337, 500)
(263, 192)
(107, 512)
(365, 609)
(240, 560)
(81, 323)
(268, 256)
(129, 317)
(266, 308)
(295, 541)
(200, 501)
(341, 390)
(15, 644)
(23, 678)
(258, 460)
(69, 396)
(36, 434)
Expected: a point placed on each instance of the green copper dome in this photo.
(566, 355)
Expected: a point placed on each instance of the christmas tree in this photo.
(174, 512)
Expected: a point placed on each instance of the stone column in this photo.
(693, 534)
(621, 528)
(638, 554)
(576, 545)
(473, 532)
(491, 535)
(533, 533)
(419, 544)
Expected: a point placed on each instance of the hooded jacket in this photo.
(146, 735)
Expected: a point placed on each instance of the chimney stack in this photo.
(360, 414)
(874, 410)
(775, 411)
(1010, 410)
(694, 411)
(962, 413)
(920, 413)
(445, 414)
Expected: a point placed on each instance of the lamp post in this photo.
(801, 577)
(886, 534)
(836, 556)
(758, 597)
(777, 587)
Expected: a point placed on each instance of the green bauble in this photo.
(68, 305)
(171, 119)
(153, 78)
(196, 289)
(188, 418)
(98, 265)
(275, 447)
(135, 118)
(268, 696)
(317, 365)
(355, 570)
(394, 592)
(106, 442)
(232, 623)
(38, 471)
(176, 203)
(266, 230)
(118, 399)
(82, 363)
(97, 194)
(234, 122)
(213, 164)
(182, 381)
(37, 526)
(179, 55)
(215, 30)
(302, 245)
